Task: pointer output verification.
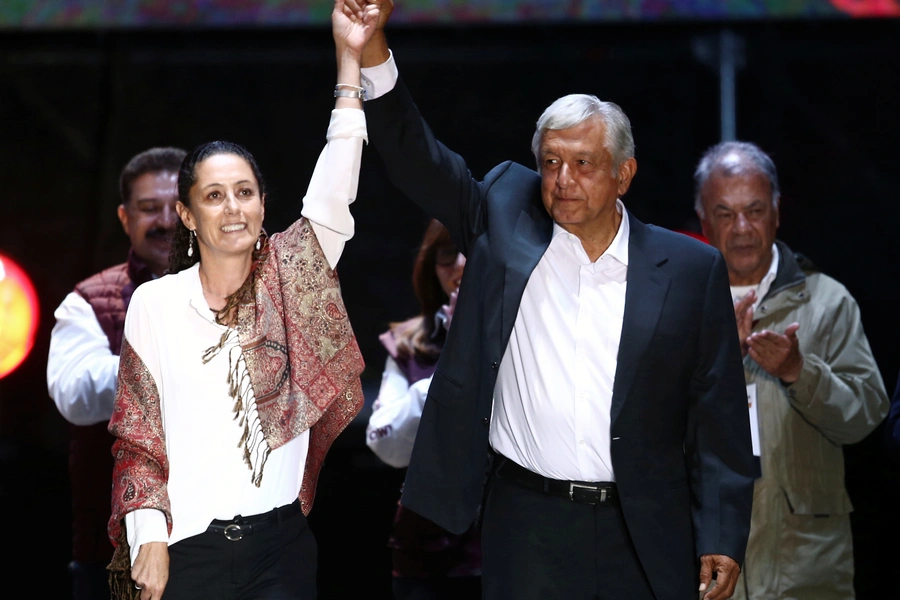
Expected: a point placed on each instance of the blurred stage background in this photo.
(86, 84)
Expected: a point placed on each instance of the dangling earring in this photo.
(262, 233)
(258, 243)
(191, 237)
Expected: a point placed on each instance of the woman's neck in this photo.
(221, 278)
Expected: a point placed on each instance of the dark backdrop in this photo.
(820, 97)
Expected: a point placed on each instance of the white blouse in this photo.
(392, 427)
(170, 326)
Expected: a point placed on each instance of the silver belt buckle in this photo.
(234, 532)
(592, 488)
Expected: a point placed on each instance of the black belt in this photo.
(586, 492)
(238, 527)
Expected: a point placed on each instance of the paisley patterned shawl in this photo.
(303, 363)
(301, 354)
(141, 467)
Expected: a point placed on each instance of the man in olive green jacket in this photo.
(813, 384)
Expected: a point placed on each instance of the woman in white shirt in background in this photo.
(238, 370)
(428, 562)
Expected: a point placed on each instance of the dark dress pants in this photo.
(538, 546)
(276, 564)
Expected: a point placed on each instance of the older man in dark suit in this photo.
(593, 367)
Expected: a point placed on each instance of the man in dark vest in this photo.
(84, 356)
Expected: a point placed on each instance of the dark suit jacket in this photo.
(680, 430)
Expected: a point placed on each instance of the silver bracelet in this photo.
(360, 93)
(347, 85)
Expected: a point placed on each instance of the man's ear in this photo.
(704, 226)
(123, 218)
(777, 208)
(626, 173)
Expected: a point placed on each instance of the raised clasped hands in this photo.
(353, 22)
(385, 7)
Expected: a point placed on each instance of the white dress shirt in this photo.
(170, 326)
(554, 387)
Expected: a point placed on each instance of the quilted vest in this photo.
(90, 457)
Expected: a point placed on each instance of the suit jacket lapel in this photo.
(644, 297)
(530, 239)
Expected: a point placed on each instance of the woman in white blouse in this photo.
(238, 370)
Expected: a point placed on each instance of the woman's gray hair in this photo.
(731, 159)
(574, 109)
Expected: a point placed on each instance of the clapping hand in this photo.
(778, 354)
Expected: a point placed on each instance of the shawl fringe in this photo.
(256, 449)
(121, 585)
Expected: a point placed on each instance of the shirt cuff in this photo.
(347, 123)
(380, 79)
(143, 526)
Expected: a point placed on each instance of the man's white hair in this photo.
(732, 159)
(574, 109)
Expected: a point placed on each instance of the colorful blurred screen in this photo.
(87, 14)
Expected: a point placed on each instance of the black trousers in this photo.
(538, 546)
(278, 563)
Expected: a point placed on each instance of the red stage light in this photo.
(18, 315)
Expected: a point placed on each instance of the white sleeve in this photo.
(392, 426)
(81, 368)
(335, 181)
(380, 79)
(145, 525)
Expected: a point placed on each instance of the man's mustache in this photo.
(160, 233)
